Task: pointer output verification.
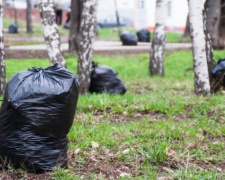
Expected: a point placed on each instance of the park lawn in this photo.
(37, 28)
(105, 33)
(158, 130)
(113, 34)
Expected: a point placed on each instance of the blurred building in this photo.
(142, 12)
(17, 9)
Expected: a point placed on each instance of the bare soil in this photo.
(39, 54)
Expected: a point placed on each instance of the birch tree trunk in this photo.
(87, 34)
(51, 33)
(156, 65)
(202, 86)
(76, 11)
(117, 18)
(29, 17)
(213, 8)
(2, 53)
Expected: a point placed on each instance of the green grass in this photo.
(106, 33)
(103, 32)
(37, 28)
(158, 129)
(17, 39)
(113, 34)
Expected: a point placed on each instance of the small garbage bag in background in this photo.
(218, 76)
(144, 35)
(36, 115)
(105, 79)
(66, 26)
(128, 39)
(13, 28)
(218, 69)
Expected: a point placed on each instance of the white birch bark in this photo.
(51, 33)
(2, 53)
(202, 86)
(156, 65)
(87, 34)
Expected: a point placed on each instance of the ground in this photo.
(158, 130)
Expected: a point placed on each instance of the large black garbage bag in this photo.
(36, 115)
(128, 39)
(144, 35)
(218, 75)
(13, 28)
(105, 79)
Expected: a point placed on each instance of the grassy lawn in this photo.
(37, 28)
(22, 38)
(158, 130)
(105, 33)
(113, 33)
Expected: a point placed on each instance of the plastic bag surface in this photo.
(218, 76)
(13, 28)
(105, 79)
(218, 69)
(143, 35)
(36, 115)
(128, 39)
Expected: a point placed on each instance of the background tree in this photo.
(156, 65)
(222, 26)
(15, 12)
(29, 17)
(51, 33)
(202, 86)
(76, 11)
(209, 49)
(2, 53)
(86, 38)
(187, 32)
(117, 18)
(213, 12)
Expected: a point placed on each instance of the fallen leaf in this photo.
(163, 178)
(126, 151)
(168, 170)
(77, 151)
(123, 174)
(216, 142)
(125, 112)
(171, 153)
(94, 144)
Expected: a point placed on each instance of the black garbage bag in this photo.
(218, 69)
(144, 35)
(218, 76)
(105, 79)
(128, 39)
(13, 28)
(36, 115)
(66, 26)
